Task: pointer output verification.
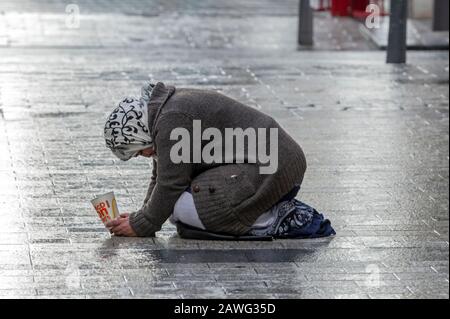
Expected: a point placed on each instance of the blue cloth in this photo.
(296, 219)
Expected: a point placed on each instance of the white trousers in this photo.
(185, 212)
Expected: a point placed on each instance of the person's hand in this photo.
(121, 226)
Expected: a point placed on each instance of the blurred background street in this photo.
(375, 136)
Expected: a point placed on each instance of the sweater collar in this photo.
(159, 96)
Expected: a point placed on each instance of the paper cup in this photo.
(106, 207)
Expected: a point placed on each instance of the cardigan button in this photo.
(196, 188)
(211, 189)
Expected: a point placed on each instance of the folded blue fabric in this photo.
(296, 219)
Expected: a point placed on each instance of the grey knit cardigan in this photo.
(228, 197)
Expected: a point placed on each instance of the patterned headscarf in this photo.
(126, 129)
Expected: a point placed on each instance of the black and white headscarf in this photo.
(126, 129)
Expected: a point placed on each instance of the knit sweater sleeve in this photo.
(152, 182)
(171, 181)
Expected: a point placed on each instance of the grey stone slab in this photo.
(17, 293)
(420, 35)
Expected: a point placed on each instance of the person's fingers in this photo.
(123, 215)
(118, 232)
(121, 229)
(113, 223)
(116, 228)
(124, 230)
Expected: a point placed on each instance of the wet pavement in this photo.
(420, 35)
(375, 137)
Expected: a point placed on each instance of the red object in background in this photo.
(359, 8)
(359, 5)
(354, 8)
(341, 7)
